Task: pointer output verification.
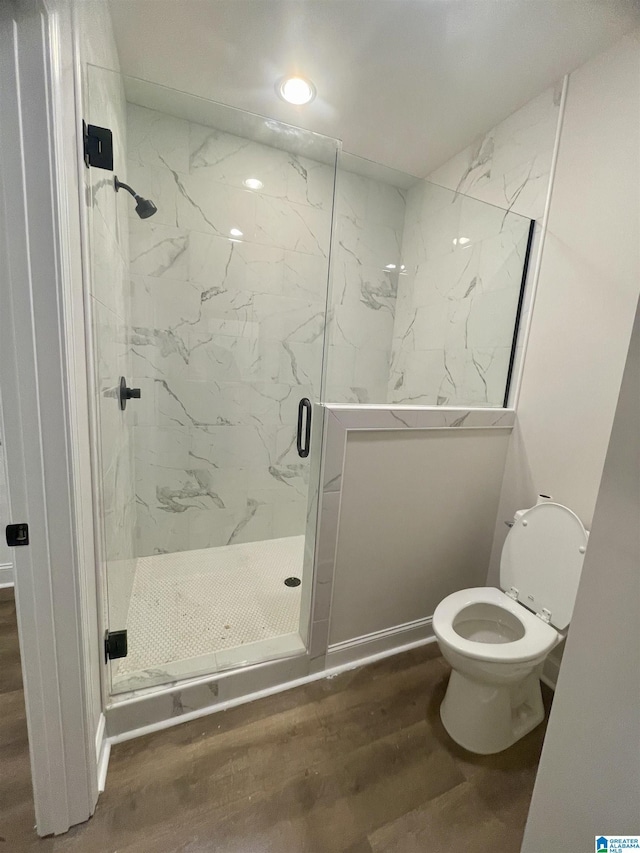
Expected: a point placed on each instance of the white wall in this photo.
(416, 519)
(588, 782)
(6, 568)
(587, 291)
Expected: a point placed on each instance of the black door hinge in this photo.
(17, 534)
(115, 645)
(98, 146)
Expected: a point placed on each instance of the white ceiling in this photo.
(407, 83)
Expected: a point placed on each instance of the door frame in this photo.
(45, 410)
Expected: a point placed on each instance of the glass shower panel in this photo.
(227, 292)
(426, 292)
(108, 302)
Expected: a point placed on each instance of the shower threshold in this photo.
(209, 610)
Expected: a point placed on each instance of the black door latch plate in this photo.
(17, 534)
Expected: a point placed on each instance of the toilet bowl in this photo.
(496, 640)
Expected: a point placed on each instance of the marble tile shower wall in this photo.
(510, 165)
(227, 331)
(457, 299)
(111, 317)
(365, 268)
(456, 303)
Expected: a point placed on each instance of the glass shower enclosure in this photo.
(208, 323)
(214, 331)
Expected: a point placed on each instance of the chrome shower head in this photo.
(144, 206)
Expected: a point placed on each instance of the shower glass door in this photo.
(214, 307)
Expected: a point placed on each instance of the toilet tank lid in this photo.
(542, 559)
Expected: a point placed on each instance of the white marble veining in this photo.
(403, 418)
(510, 165)
(228, 311)
(457, 300)
(426, 281)
(464, 242)
(365, 267)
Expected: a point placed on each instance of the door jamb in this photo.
(44, 394)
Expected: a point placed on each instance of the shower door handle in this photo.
(303, 448)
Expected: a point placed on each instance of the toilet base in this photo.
(485, 718)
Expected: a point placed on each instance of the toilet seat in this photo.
(539, 637)
(542, 559)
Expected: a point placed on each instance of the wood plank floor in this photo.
(358, 764)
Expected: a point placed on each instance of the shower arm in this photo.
(144, 206)
(120, 185)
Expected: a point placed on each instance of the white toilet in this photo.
(496, 642)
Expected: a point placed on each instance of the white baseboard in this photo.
(390, 640)
(329, 672)
(103, 751)
(6, 575)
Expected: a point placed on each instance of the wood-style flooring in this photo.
(358, 764)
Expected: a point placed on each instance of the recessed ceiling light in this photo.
(390, 266)
(235, 232)
(460, 241)
(296, 90)
(253, 183)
